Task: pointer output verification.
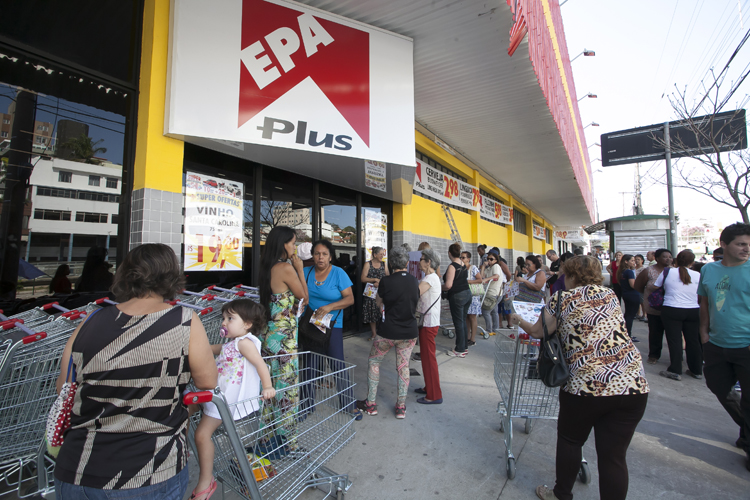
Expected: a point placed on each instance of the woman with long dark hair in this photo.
(632, 299)
(60, 282)
(680, 316)
(459, 298)
(282, 285)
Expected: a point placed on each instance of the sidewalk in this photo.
(682, 449)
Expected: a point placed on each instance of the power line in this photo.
(691, 26)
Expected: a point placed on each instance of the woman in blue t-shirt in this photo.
(330, 291)
(632, 299)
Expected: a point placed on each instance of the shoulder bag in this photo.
(420, 316)
(553, 369)
(656, 298)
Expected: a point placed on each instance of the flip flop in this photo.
(208, 491)
(423, 401)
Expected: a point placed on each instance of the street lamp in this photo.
(589, 95)
(587, 53)
(592, 124)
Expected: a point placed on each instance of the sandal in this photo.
(208, 491)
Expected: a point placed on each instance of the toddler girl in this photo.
(241, 370)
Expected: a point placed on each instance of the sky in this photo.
(643, 50)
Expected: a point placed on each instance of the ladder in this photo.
(452, 225)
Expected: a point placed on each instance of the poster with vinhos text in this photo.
(213, 223)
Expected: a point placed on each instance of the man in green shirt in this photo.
(724, 293)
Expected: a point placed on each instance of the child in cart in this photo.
(241, 372)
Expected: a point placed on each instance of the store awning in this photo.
(491, 107)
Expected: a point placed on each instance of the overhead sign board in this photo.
(645, 143)
(278, 73)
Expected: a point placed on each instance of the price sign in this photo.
(213, 223)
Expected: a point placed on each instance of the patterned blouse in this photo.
(602, 359)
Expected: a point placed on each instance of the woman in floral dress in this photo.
(475, 308)
(372, 272)
(282, 285)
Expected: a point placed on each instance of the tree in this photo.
(720, 170)
(83, 148)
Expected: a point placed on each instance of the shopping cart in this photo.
(254, 460)
(449, 330)
(29, 366)
(522, 393)
(486, 333)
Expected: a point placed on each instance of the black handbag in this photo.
(552, 367)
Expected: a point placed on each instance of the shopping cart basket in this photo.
(29, 366)
(522, 393)
(257, 461)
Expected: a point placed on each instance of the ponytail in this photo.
(684, 260)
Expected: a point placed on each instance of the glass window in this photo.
(94, 180)
(286, 201)
(548, 236)
(519, 222)
(64, 176)
(112, 182)
(91, 217)
(115, 218)
(4, 134)
(6, 121)
(43, 214)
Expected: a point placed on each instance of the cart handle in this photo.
(105, 300)
(188, 292)
(201, 312)
(33, 338)
(10, 323)
(214, 287)
(192, 398)
(50, 306)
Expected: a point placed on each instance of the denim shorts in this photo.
(171, 489)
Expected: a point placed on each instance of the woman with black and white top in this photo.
(532, 285)
(681, 316)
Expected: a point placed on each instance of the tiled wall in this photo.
(156, 218)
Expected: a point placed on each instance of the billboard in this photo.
(278, 73)
(644, 143)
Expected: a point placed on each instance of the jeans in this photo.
(679, 322)
(491, 319)
(171, 489)
(459, 305)
(631, 310)
(723, 368)
(614, 419)
(655, 336)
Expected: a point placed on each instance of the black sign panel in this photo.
(645, 143)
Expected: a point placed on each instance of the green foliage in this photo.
(83, 148)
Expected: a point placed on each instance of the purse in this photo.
(552, 367)
(476, 289)
(488, 303)
(656, 298)
(58, 418)
(420, 316)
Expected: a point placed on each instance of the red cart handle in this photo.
(50, 305)
(33, 338)
(192, 398)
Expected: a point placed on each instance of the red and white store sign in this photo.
(570, 234)
(538, 231)
(282, 74)
(451, 191)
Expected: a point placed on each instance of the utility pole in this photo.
(670, 194)
(637, 206)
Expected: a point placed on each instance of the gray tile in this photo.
(165, 227)
(166, 206)
(177, 216)
(156, 194)
(154, 215)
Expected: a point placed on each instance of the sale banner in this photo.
(213, 223)
(538, 231)
(451, 191)
(570, 234)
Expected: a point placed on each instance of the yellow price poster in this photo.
(213, 223)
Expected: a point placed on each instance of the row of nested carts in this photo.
(264, 449)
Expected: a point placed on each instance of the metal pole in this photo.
(670, 194)
(70, 248)
(106, 245)
(28, 245)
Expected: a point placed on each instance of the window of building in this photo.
(64, 176)
(488, 195)
(4, 134)
(434, 164)
(41, 139)
(519, 222)
(55, 193)
(112, 182)
(115, 218)
(44, 214)
(548, 236)
(91, 217)
(6, 121)
(94, 180)
(88, 195)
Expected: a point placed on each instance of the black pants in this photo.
(618, 291)
(631, 310)
(614, 419)
(678, 322)
(655, 336)
(723, 368)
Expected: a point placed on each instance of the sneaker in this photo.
(737, 387)
(367, 407)
(455, 354)
(545, 493)
(670, 375)
(471, 343)
(400, 412)
(694, 375)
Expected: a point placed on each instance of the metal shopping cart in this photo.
(29, 366)
(522, 393)
(257, 461)
(450, 331)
